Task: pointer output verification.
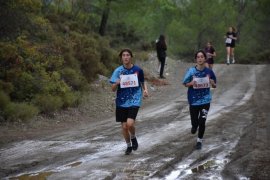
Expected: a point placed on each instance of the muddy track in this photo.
(237, 131)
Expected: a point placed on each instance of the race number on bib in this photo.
(228, 41)
(129, 81)
(200, 83)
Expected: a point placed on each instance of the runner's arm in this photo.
(115, 85)
(190, 84)
(145, 89)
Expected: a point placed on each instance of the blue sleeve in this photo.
(115, 76)
(213, 76)
(188, 77)
(141, 76)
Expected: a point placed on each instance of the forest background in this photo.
(52, 50)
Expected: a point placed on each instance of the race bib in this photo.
(201, 83)
(130, 80)
(228, 41)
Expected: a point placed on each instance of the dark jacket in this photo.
(161, 48)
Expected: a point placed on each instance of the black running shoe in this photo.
(134, 144)
(128, 151)
(199, 145)
(193, 130)
(162, 77)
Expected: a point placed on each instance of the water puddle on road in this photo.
(74, 164)
(34, 176)
(43, 175)
(208, 166)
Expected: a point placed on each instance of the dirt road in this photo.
(236, 143)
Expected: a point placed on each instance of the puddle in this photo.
(210, 167)
(74, 164)
(209, 164)
(42, 175)
(98, 138)
(35, 176)
(140, 174)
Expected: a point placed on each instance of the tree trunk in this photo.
(242, 4)
(104, 19)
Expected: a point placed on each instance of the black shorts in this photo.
(232, 45)
(122, 114)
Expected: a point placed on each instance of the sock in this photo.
(132, 136)
(129, 144)
(228, 58)
(199, 140)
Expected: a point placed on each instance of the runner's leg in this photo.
(232, 55)
(131, 126)
(228, 48)
(202, 118)
(125, 132)
(194, 114)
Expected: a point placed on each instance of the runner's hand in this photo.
(213, 84)
(145, 93)
(117, 82)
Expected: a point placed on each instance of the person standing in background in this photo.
(210, 53)
(161, 48)
(230, 39)
(199, 79)
(128, 81)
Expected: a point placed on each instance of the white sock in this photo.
(129, 144)
(199, 140)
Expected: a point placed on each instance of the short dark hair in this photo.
(200, 51)
(125, 50)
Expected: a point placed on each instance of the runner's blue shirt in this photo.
(198, 96)
(131, 96)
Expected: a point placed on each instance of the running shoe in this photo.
(193, 130)
(134, 144)
(162, 77)
(128, 151)
(198, 145)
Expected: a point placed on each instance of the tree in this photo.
(16, 16)
(104, 19)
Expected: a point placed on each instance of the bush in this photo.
(4, 100)
(258, 58)
(20, 111)
(48, 103)
(143, 56)
(7, 87)
(73, 78)
(24, 87)
(70, 99)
